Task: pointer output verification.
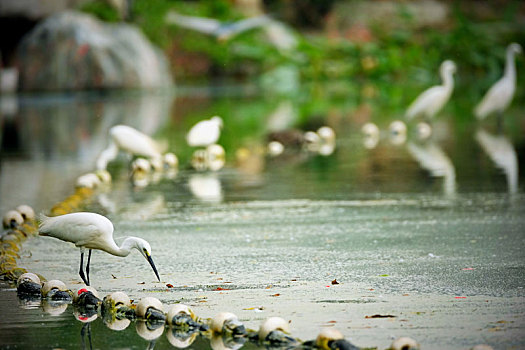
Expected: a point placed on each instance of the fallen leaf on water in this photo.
(220, 288)
(335, 281)
(293, 280)
(380, 316)
(495, 329)
(254, 308)
(275, 295)
(141, 283)
(169, 285)
(383, 275)
(331, 322)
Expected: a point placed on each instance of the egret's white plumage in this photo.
(205, 132)
(430, 101)
(92, 231)
(500, 95)
(129, 140)
(211, 26)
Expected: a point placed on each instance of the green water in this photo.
(442, 253)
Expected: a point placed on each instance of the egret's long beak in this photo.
(150, 260)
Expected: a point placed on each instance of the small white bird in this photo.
(92, 231)
(430, 101)
(205, 132)
(129, 140)
(500, 95)
(221, 30)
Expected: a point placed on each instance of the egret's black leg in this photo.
(81, 272)
(87, 266)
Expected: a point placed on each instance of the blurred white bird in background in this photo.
(130, 140)
(500, 95)
(205, 132)
(430, 101)
(277, 33)
(221, 30)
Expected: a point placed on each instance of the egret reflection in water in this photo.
(432, 158)
(502, 153)
(206, 187)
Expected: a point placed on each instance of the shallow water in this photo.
(267, 236)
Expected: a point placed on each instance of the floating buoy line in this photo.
(152, 318)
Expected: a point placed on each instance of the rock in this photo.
(73, 51)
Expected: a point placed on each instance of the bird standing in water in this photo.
(129, 140)
(500, 95)
(430, 101)
(92, 231)
(205, 132)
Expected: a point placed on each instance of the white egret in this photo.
(92, 231)
(500, 95)
(430, 101)
(129, 140)
(221, 30)
(205, 132)
(404, 343)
